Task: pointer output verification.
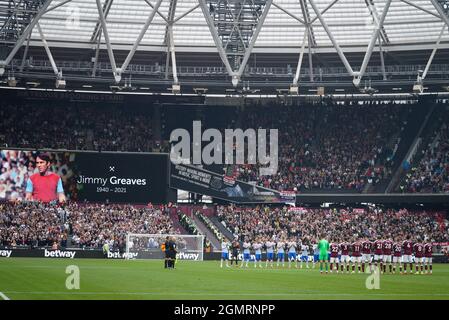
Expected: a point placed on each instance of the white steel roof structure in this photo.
(234, 29)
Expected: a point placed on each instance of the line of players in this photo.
(343, 256)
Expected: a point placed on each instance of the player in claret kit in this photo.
(258, 252)
(334, 255)
(366, 250)
(397, 256)
(387, 251)
(292, 253)
(428, 257)
(378, 253)
(419, 254)
(344, 259)
(356, 255)
(407, 246)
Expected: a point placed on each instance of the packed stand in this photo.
(338, 147)
(78, 127)
(89, 225)
(32, 225)
(346, 224)
(430, 174)
(94, 224)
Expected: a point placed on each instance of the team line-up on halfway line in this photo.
(342, 256)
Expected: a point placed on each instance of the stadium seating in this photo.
(429, 169)
(88, 225)
(322, 147)
(337, 224)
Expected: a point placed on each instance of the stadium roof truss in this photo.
(235, 29)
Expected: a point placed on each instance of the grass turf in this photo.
(32, 278)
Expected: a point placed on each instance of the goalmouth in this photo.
(149, 246)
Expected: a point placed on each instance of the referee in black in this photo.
(171, 249)
(167, 256)
(235, 251)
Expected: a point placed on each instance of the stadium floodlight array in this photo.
(148, 246)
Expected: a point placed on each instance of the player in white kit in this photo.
(305, 255)
(292, 253)
(270, 252)
(246, 253)
(280, 250)
(258, 251)
(225, 252)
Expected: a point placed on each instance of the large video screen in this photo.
(85, 176)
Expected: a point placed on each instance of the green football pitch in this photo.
(32, 278)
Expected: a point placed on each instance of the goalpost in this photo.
(148, 246)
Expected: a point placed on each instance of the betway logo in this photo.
(118, 255)
(59, 254)
(5, 253)
(187, 256)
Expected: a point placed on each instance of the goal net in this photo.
(148, 246)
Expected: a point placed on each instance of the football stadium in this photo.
(224, 150)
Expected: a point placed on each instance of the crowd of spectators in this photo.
(92, 225)
(89, 225)
(339, 147)
(345, 224)
(76, 127)
(32, 224)
(430, 174)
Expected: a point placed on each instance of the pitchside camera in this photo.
(418, 88)
(294, 89)
(60, 83)
(176, 88)
(12, 82)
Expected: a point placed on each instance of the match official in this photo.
(164, 248)
(235, 251)
(171, 248)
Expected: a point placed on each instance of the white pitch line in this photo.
(3, 296)
(231, 294)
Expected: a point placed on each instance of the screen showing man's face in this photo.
(42, 165)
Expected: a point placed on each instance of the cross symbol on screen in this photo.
(111, 169)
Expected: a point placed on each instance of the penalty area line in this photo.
(3, 296)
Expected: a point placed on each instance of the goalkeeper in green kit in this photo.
(323, 246)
